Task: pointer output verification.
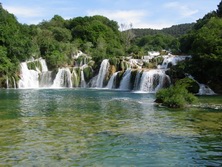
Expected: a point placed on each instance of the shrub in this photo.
(34, 64)
(176, 96)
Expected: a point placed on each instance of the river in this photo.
(89, 127)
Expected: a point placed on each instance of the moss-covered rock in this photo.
(88, 73)
(119, 78)
(33, 65)
(91, 63)
(133, 78)
(114, 61)
(149, 65)
(75, 78)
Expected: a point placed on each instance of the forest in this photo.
(57, 40)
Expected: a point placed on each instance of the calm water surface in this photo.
(83, 127)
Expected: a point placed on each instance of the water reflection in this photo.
(102, 128)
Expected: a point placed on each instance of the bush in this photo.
(34, 64)
(88, 73)
(176, 96)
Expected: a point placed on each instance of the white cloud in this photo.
(155, 25)
(122, 16)
(183, 10)
(138, 18)
(26, 12)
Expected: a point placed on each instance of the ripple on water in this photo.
(104, 128)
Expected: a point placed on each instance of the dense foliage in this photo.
(15, 45)
(204, 42)
(150, 39)
(175, 30)
(176, 96)
(157, 42)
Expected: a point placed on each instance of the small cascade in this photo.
(102, 73)
(46, 79)
(92, 83)
(63, 79)
(36, 77)
(171, 60)
(10, 82)
(111, 83)
(136, 63)
(29, 78)
(203, 89)
(14, 83)
(137, 81)
(75, 78)
(83, 82)
(43, 64)
(7, 86)
(153, 80)
(125, 82)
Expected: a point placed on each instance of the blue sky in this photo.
(155, 14)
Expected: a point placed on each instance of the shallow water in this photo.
(85, 127)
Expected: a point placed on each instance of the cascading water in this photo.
(203, 89)
(45, 79)
(125, 82)
(75, 78)
(137, 81)
(152, 80)
(45, 75)
(135, 77)
(111, 83)
(43, 64)
(63, 78)
(29, 78)
(104, 67)
(171, 60)
(12, 83)
(7, 85)
(83, 82)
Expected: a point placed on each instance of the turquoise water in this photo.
(85, 127)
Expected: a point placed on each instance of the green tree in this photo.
(56, 59)
(219, 10)
(176, 96)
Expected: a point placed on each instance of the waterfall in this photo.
(173, 60)
(75, 78)
(111, 83)
(14, 83)
(63, 78)
(46, 79)
(29, 78)
(136, 63)
(35, 74)
(203, 89)
(92, 83)
(104, 67)
(152, 80)
(7, 86)
(137, 81)
(125, 82)
(10, 82)
(43, 64)
(34, 78)
(83, 82)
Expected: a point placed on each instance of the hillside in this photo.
(175, 30)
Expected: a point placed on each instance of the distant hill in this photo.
(176, 30)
